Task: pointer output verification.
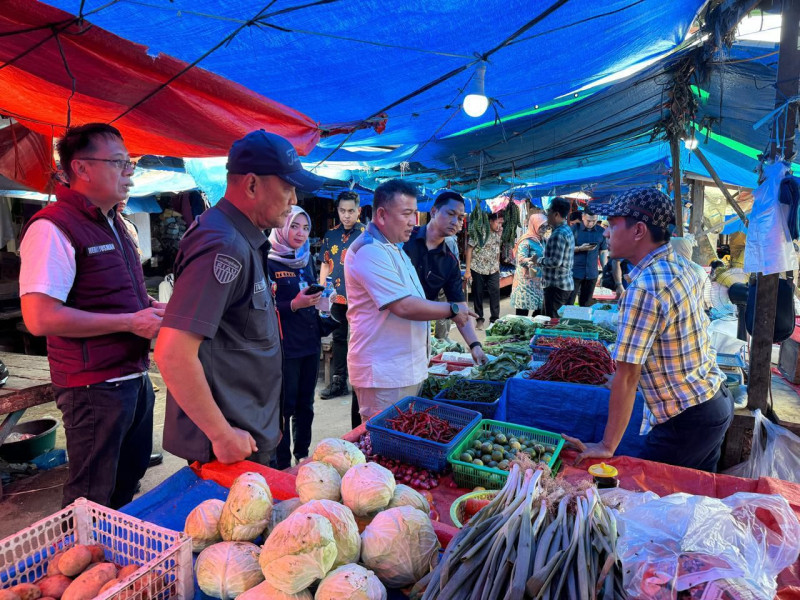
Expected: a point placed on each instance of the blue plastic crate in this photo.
(414, 450)
(541, 353)
(487, 409)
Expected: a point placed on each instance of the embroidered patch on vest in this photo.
(259, 287)
(92, 250)
(226, 268)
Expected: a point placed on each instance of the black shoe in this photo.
(3, 373)
(338, 387)
(138, 487)
(156, 458)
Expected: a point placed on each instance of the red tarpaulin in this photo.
(198, 114)
(26, 156)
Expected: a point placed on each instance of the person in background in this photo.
(437, 267)
(82, 286)
(483, 270)
(334, 249)
(574, 218)
(683, 249)
(663, 346)
(388, 353)
(559, 254)
(293, 273)
(219, 350)
(590, 246)
(526, 292)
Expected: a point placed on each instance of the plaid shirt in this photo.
(664, 328)
(559, 256)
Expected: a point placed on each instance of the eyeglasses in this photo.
(121, 163)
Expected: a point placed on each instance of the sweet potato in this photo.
(88, 584)
(52, 566)
(8, 595)
(127, 571)
(54, 586)
(27, 591)
(98, 553)
(107, 585)
(75, 560)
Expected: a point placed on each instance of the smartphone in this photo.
(314, 288)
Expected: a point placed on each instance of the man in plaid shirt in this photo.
(558, 259)
(663, 344)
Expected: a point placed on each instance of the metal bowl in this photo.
(43, 440)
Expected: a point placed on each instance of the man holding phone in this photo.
(590, 246)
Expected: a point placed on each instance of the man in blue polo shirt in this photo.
(437, 267)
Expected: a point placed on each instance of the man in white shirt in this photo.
(388, 314)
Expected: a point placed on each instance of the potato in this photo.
(127, 571)
(98, 553)
(54, 586)
(88, 584)
(107, 585)
(8, 595)
(75, 560)
(52, 566)
(26, 591)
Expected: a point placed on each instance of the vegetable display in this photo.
(351, 582)
(318, 481)
(415, 477)
(228, 569)
(538, 538)
(520, 327)
(578, 361)
(553, 342)
(478, 225)
(367, 489)
(340, 454)
(422, 424)
(604, 334)
(345, 530)
(245, 514)
(202, 524)
(500, 369)
(433, 385)
(511, 222)
(472, 391)
(496, 450)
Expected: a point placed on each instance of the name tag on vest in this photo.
(92, 250)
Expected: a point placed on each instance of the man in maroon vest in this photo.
(82, 286)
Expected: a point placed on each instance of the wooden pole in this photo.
(698, 197)
(674, 145)
(788, 85)
(723, 188)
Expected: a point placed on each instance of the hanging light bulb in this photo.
(690, 142)
(476, 102)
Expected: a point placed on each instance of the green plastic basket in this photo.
(584, 335)
(457, 507)
(467, 475)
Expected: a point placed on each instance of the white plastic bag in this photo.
(683, 541)
(775, 453)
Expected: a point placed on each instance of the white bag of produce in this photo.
(264, 591)
(694, 542)
(340, 454)
(398, 545)
(345, 529)
(202, 524)
(776, 453)
(408, 496)
(318, 481)
(228, 569)
(367, 488)
(247, 510)
(299, 551)
(351, 582)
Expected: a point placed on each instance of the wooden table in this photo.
(28, 385)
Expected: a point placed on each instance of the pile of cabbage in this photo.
(313, 541)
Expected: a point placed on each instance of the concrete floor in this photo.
(33, 498)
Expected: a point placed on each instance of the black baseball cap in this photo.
(263, 153)
(647, 205)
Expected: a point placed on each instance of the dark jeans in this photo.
(339, 338)
(523, 312)
(355, 416)
(490, 284)
(693, 438)
(555, 298)
(299, 381)
(109, 429)
(583, 291)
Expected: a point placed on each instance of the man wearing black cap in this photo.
(663, 345)
(219, 350)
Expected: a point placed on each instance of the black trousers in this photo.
(555, 298)
(486, 284)
(299, 381)
(339, 339)
(583, 291)
(693, 438)
(109, 429)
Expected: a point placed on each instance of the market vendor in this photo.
(437, 267)
(663, 345)
(219, 349)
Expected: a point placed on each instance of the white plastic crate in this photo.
(164, 555)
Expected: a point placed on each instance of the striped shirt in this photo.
(664, 328)
(559, 256)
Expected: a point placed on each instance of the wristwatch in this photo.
(453, 309)
(475, 344)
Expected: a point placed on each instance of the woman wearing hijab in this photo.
(526, 291)
(293, 272)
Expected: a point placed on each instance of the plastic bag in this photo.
(684, 542)
(775, 453)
